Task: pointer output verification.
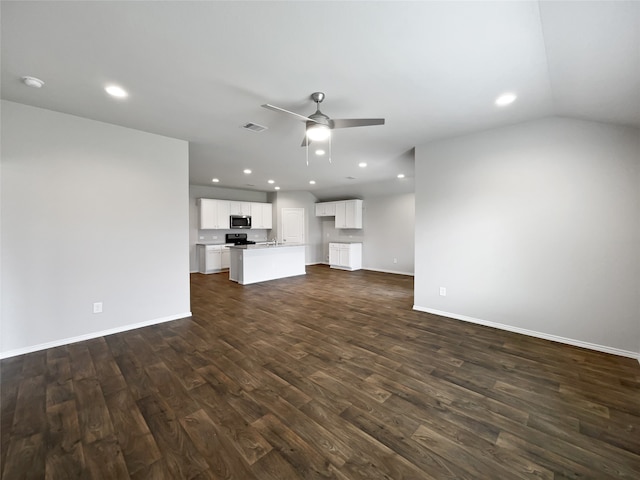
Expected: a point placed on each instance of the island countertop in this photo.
(259, 246)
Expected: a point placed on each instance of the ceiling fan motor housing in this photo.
(319, 118)
(317, 97)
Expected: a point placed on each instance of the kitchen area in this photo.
(240, 239)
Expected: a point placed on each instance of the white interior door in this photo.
(293, 225)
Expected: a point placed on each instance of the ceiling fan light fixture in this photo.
(318, 132)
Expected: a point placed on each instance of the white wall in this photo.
(91, 212)
(312, 227)
(389, 233)
(534, 228)
(218, 236)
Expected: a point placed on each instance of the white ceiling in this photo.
(199, 70)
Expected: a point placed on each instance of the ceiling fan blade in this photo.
(278, 109)
(355, 122)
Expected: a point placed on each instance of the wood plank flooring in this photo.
(331, 375)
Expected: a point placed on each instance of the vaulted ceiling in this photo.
(198, 71)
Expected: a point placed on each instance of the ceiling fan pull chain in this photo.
(330, 148)
(307, 142)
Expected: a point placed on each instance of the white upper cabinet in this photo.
(267, 215)
(213, 214)
(239, 208)
(349, 214)
(326, 209)
(261, 216)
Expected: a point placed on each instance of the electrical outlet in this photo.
(443, 291)
(215, 237)
(97, 307)
(201, 238)
(395, 260)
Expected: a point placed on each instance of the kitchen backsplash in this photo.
(332, 234)
(217, 236)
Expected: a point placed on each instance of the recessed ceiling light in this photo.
(401, 175)
(247, 171)
(276, 188)
(320, 152)
(362, 164)
(312, 182)
(116, 91)
(271, 181)
(32, 82)
(215, 180)
(505, 99)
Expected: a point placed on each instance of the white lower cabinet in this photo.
(346, 256)
(213, 258)
(225, 258)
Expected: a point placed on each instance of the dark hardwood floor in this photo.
(330, 375)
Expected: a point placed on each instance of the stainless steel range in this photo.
(238, 239)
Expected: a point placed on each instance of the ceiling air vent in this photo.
(254, 127)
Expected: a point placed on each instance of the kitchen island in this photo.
(260, 263)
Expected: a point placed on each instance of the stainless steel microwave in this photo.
(240, 221)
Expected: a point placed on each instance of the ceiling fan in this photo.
(319, 125)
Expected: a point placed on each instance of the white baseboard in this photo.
(395, 272)
(89, 336)
(381, 270)
(532, 333)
